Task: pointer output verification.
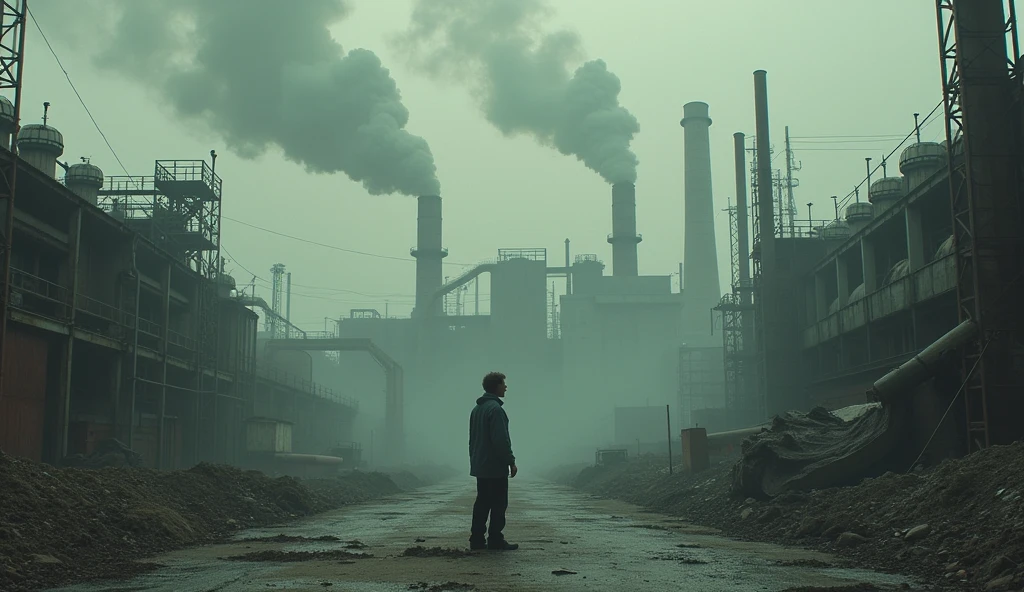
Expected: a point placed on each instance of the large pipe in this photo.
(902, 380)
(428, 253)
(624, 238)
(701, 288)
(740, 155)
(765, 210)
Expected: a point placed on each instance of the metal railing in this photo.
(287, 379)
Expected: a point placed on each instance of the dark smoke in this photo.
(264, 73)
(523, 78)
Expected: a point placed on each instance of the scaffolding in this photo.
(982, 99)
(12, 44)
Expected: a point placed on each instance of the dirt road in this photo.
(569, 541)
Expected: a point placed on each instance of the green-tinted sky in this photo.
(834, 69)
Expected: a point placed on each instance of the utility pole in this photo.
(791, 183)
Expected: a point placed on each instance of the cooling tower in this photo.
(701, 290)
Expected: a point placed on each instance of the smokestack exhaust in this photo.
(701, 287)
(429, 254)
(624, 238)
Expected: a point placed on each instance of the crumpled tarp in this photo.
(815, 450)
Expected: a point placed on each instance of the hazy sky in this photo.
(833, 70)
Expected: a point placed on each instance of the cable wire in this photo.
(77, 94)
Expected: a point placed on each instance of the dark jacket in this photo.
(490, 447)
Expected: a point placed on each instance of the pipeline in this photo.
(902, 380)
(307, 459)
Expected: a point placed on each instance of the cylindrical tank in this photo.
(6, 122)
(920, 161)
(836, 230)
(858, 215)
(85, 180)
(519, 302)
(885, 192)
(40, 145)
(587, 271)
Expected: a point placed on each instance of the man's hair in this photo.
(492, 380)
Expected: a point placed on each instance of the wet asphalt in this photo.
(568, 541)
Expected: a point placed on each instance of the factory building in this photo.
(122, 324)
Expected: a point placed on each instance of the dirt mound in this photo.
(59, 525)
(295, 556)
(959, 525)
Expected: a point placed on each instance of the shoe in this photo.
(501, 545)
(477, 544)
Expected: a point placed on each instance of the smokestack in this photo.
(428, 254)
(624, 238)
(765, 211)
(740, 150)
(701, 288)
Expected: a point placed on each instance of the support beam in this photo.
(64, 404)
(869, 265)
(915, 238)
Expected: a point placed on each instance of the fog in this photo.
(332, 116)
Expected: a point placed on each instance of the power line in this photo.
(334, 247)
(77, 94)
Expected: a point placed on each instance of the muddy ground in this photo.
(60, 525)
(959, 525)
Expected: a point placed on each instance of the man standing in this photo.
(492, 463)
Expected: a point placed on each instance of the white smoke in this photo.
(523, 78)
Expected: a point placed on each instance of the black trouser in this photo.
(491, 498)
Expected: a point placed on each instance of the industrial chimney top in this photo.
(41, 137)
(84, 173)
(924, 154)
(695, 111)
(6, 115)
(886, 189)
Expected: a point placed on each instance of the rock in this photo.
(40, 558)
(917, 533)
(849, 539)
(772, 513)
(810, 526)
(953, 566)
(997, 566)
(232, 522)
(746, 513)
(999, 583)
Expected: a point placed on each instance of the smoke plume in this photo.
(523, 78)
(262, 73)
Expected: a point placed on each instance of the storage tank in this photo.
(885, 192)
(836, 230)
(7, 122)
(920, 161)
(587, 271)
(85, 180)
(40, 145)
(858, 215)
(519, 301)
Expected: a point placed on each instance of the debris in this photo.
(418, 551)
(100, 523)
(999, 583)
(563, 572)
(295, 556)
(849, 539)
(917, 533)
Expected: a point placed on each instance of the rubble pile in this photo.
(959, 525)
(66, 524)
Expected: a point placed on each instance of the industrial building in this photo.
(122, 325)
